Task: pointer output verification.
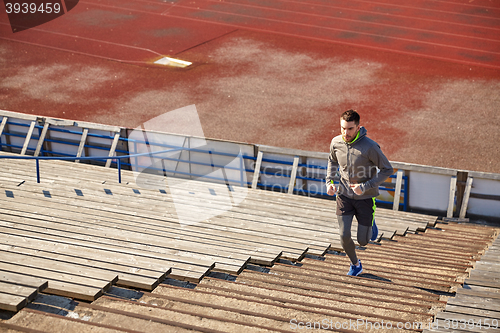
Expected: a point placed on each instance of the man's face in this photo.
(349, 130)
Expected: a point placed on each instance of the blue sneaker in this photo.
(374, 231)
(355, 270)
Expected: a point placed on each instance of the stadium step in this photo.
(314, 291)
(271, 263)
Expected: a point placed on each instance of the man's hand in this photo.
(331, 189)
(356, 188)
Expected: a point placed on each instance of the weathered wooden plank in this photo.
(28, 137)
(293, 175)
(291, 202)
(256, 173)
(480, 291)
(474, 311)
(241, 211)
(61, 284)
(23, 280)
(481, 302)
(17, 115)
(40, 262)
(397, 192)
(42, 273)
(73, 290)
(94, 126)
(170, 235)
(3, 124)
(465, 200)
(484, 175)
(483, 282)
(11, 328)
(152, 229)
(123, 245)
(491, 276)
(487, 260)
(154, 242)
(10, 302)
(83, 140)
(177, 260)
(485, 270)
(307, 221)
(231, 221)
(292, 152)
(60, 122)
(306, 214)
(241, 229)
(113, 149)
(14, 289)
(95, 269)
(424, 168)
(451, 196)
(150, 226)
(250, 209)
(41, 139)
(127, 263)
(161, 208)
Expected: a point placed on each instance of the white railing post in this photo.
(451, 198)
(256, 172)
(293, 175)
(465, 201)
(397, 191)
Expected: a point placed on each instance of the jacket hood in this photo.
(361, 133)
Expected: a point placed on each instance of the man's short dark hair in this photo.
(350, 115)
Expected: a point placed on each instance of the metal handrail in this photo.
(71, 158)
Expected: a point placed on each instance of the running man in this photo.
(357, 158)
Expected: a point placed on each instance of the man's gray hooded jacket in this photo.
(357, 163)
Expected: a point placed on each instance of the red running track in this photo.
(141, 31)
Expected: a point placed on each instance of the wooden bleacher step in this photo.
(17, 289)
(183, 314)
(289, 304)
(478, 302)
(84, 225)
(124, 239)
(160, 208)
(35, 321)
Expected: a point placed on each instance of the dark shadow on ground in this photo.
(437, 292)
(53, 304)
(373, 277)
